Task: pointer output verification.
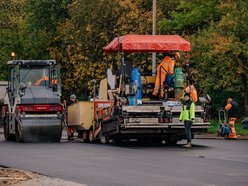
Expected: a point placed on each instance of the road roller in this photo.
(32, 110)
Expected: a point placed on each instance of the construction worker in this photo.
(73, 99)
(187, 115)
(39, 82)
(192, 91)
(164, 68)
(232, 113)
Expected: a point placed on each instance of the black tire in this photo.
(85, 136)
(7, 135)
(91, 136)
(58, 137)
(18, 133)
(103, 139)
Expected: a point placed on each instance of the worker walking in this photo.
(232, 114)
(164, 68)
(187, 115)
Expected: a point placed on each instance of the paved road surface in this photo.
(208, 163)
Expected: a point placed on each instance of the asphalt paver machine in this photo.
(32, 110)
(125, 109)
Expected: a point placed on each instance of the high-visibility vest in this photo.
(38, 82)
(188, 112)
(167, 65)
(192, 91)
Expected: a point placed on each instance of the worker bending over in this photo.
(164, 68)
(232, 113)
(192, 91)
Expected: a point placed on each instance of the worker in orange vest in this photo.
(192, 91)
(232, 113)
(43, 79)
(164, 68)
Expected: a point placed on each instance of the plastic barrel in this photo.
(136, 81)
(179, 83)
(132, 101)
(179, 78)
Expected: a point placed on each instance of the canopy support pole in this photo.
(154, 12)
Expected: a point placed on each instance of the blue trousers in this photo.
(187, 125)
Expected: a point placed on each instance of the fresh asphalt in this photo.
(210, 162)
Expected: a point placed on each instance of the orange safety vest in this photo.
(166, 66)
(192, 91)
(54, 81)
(38, 82)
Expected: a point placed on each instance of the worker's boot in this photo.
(232, 134)
(188, 145)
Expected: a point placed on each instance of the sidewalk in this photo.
(214, 136)
(16, 177)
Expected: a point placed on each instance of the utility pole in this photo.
(154, 12)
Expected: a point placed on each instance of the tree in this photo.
(12, 18)
(93, 24)
(218, 34)
(41, 26)
(187, 17)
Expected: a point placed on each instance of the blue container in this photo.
(136, 81)
(169, 80)
(132, 101)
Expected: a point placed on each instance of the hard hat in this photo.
(229, 100)
(73, 96)
(177, 54)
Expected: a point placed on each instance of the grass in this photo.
(238, 127)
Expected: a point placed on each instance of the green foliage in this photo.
(189, 16)
(220, 54)
(238, 128)
(11, 19)
(41, 26)
(91, 26)
(74, 32)
(218, 34)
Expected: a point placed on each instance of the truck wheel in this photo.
(7, 135)
(85, 136)
(103, 139)
(18, 133)
(91, 136)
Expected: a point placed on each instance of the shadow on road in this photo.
(142, 145)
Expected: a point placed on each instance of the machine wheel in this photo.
(57, 137)
(18, 133)
(85, 136)
(91, 136)
(103, 139)
(7, 135)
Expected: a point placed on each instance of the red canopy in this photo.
(147, 43)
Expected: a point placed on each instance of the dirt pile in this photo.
(12, 176)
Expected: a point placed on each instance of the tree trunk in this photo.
(244, 78)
